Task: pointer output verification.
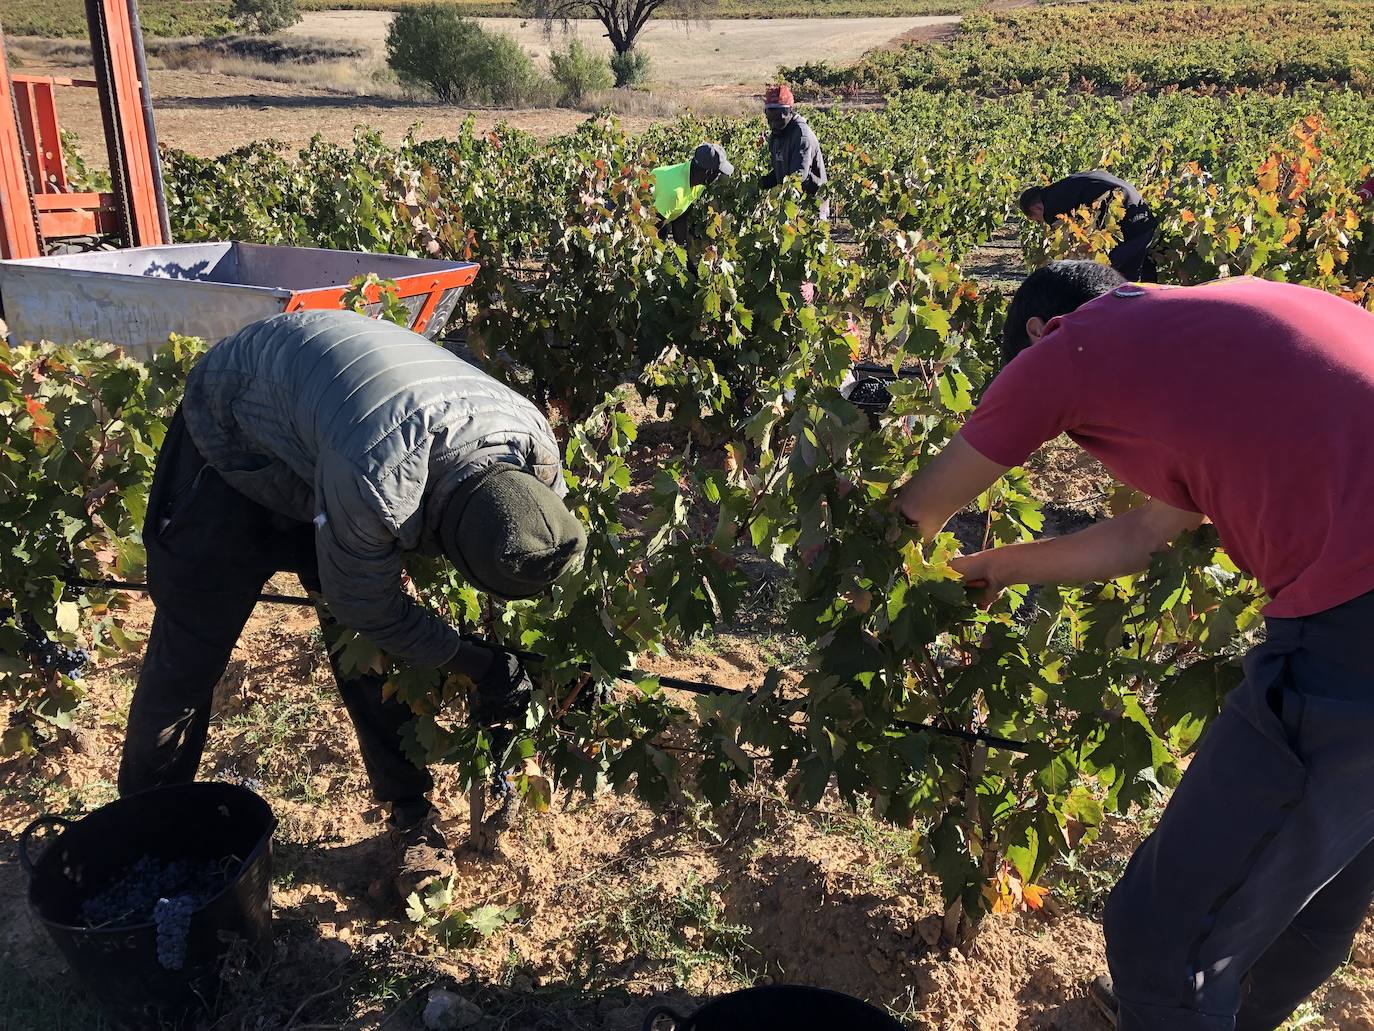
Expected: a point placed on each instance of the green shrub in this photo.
(578, 71)
(435, 47)
(630, 68)
(265, 16)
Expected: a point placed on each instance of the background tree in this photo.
(623, 19)
(265, 16)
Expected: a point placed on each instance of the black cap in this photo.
(710, 157)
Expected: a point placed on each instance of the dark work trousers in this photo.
(1131, 257)
(211, 550)
(1250, 891)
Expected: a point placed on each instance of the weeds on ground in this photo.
(685, 928)
(893, 849)
(278, 728)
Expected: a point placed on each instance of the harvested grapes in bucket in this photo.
(871, 393)
(163, 893)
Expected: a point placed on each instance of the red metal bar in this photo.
(71, 201)
(80, 222)
(38, 124)
(77, 214)
(427, 309)
(18, 234)
(56, 80)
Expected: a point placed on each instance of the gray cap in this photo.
(710, 157)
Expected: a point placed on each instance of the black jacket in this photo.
(1083, 188)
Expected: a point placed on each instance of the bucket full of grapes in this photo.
(151, 898)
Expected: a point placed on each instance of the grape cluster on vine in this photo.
(47, 654)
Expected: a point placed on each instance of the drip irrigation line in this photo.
(124, 585)
(297, 600)
(707, 688)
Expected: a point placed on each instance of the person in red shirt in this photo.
(1365, 191)
(1249, 403)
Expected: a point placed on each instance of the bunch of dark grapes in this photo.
(165, 893)
(173, 918)
(872, 392)
(47, 655)
(129, 899)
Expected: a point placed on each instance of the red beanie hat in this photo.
(777, 96)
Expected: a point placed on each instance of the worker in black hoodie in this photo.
(1131, 257)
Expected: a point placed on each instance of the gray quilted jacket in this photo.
(365, 429)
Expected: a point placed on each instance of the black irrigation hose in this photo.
(677, 683)
(293, 599)
(706, 688)
(123, 585)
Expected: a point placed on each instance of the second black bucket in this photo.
(118, 966)
(776, 1007)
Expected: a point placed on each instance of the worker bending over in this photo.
(331, 445)
(1249, 403)
(678, 187)
(1131, 257)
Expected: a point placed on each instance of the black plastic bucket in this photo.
(119, 966)
(785, 1007)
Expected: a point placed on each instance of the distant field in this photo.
(159, 17)
(1130, 48)
(211, 17)
(730, 52)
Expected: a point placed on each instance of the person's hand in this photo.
(980, 575)
(503, 687)
(503, 692)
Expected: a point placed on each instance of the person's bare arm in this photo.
(1101, 552)
(952, 479)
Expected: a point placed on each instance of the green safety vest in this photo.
(673, 190)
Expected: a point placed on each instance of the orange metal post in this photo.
(18, 234)
(131, 132)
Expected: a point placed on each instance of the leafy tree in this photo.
(433, 46)
(265, 16)
(630, 68)
(579, 70)
(623, 19)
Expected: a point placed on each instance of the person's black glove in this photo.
(503, 691)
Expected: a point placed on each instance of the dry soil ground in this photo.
(213, 105)
(745, 52)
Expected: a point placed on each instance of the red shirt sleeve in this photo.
(1030, 401)
(1366, 190)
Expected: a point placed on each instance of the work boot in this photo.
(1102, 995)
(420, 852)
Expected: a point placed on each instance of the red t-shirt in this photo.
(1247, 400)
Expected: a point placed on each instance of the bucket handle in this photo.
(651, 1018)
(43, 821)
